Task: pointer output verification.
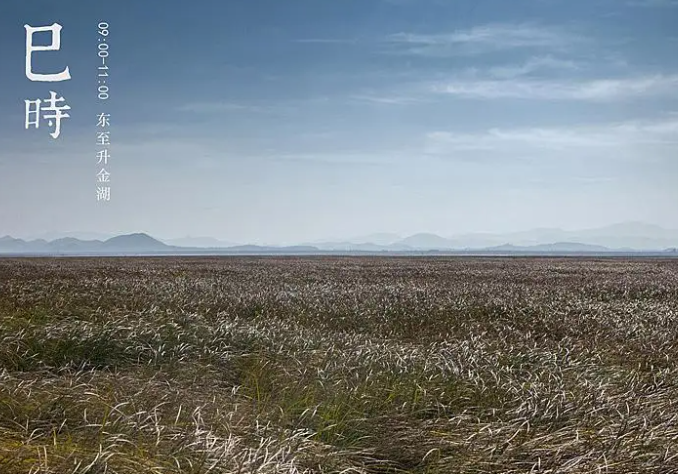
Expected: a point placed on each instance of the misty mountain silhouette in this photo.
(625, 236)
(132, 244)
(135, 242)
(555, 247)
(426, 241)
(629, 238)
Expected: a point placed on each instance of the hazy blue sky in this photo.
(282, 121)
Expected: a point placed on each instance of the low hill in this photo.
(134, 243)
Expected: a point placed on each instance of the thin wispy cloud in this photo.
(536, 64)
(387, 99)
(278, 107)
(619, 136)
(582, 90)
(486, 39)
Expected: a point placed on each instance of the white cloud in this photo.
(532, 65)
(486, 38)
(284, 107)
(388, 99)
(622, 136)
(591, 90)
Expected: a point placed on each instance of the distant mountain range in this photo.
(624, 236)
(620, 238)
(133, 243)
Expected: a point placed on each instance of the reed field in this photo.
(338, 365)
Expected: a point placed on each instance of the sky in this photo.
(268, 121)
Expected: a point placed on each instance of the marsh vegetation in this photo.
(329, 365)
